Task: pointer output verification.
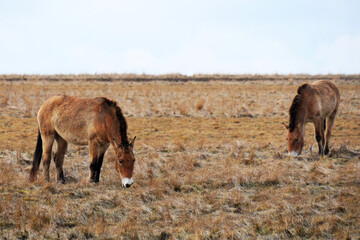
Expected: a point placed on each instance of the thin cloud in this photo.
(188, 37)
(341, 55)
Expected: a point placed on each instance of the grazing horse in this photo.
(97, 122)
(318, 103)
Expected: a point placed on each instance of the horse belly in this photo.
(74, 133)
(76, 140)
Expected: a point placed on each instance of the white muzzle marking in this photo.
(127, 182)
(294, 154)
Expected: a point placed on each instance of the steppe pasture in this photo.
(211, 163)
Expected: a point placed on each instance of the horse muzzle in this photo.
(127, 182)
(293, 154)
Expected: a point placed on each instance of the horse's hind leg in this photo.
(319, 135)
(97, 153)
(59, 157)
(48, 140)
(330, 122)
(324, 127)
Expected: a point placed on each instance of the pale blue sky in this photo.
(188, 36)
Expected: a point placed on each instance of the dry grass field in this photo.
(211, 164)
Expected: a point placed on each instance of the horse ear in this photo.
(285, 126)
(133, 142)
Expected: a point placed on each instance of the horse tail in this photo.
(37, 157)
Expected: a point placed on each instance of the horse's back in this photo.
(326, 87)
(326, 97)
(73, 118)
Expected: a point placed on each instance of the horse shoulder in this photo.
(105, 118)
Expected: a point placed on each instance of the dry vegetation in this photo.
(211, 164)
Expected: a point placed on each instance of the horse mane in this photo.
(122, 121)
(295, 105)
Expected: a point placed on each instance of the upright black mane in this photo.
(122, 121)
(295, 105)
(293, 110)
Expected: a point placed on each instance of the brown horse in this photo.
(318, 103)
(97, 122)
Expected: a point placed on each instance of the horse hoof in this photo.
(326, 152)
(94, 181)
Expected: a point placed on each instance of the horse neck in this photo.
(114, 134)
(114, 141)
(301, 115)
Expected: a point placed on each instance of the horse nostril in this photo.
(126, 182)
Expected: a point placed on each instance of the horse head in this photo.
(295, 138)
(124, 163)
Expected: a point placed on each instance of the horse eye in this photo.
(296, 140)
(121, 162)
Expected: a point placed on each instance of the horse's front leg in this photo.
(97, 153)
(319, 135)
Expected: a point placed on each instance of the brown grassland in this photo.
(211, 163)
